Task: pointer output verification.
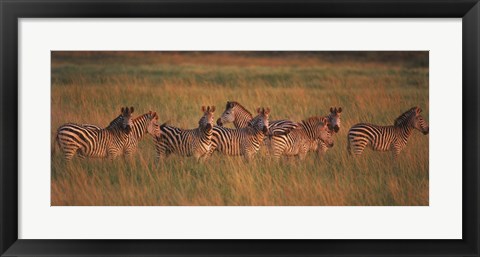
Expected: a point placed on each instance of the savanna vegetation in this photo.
(374, 87)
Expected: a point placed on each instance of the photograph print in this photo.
(239, 128)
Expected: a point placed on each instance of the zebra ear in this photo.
(339, 109)
(419, 110)
(123, 109)
(229, 105)
(213, 109)
(204, 109)
(267, 111)
(131, 109)
(331, 109)
(259, 110)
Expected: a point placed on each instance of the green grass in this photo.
(91, 88)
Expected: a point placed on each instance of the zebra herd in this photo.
(279, 137)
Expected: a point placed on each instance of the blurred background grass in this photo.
(374, 87)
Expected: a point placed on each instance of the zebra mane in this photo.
(315, 119)
(406, 116)
(164, 124)
(231, 104)
(148, 115)
(115, 122)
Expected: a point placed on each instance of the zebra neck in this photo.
(203, 133)
(241, 119)
(406, 131)
(308, 131)
(240, 123)
(139, 127)
(257, 133)
(115, 123)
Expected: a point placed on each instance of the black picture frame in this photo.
(11, 11)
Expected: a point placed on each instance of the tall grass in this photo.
(91, 88)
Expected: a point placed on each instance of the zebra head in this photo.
(419, 122)
(127, 122)
(228, 115)
(334, 119)
(206, 122)
(318, 128)
(414, 119)
(152, 127)
(260, 122)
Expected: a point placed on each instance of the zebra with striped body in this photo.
(240, 117)
(300, 140)
(334, 122)
(92, 141)
(193, 142)
(146, 123)
(386, 138)
(242, 141)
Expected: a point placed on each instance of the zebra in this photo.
(193, 142)
(240, 117)
(300, 140)
(244, 141)
(92, 141)
(146, 123)
(334, 122)
(386, 138)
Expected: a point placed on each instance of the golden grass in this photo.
(91, 88)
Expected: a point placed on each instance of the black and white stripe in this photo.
(300, 140)
(242, 141)
(146, 123)
(386, 138)
(240, 117)
(334, 122)
(191, 142)
(92, 141)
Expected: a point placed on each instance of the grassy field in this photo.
(90, 87)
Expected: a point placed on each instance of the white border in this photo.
(441, 220)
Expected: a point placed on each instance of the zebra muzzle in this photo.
(128, 128)
(219, 122)
(265, 131)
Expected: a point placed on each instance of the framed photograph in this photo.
(239, 128)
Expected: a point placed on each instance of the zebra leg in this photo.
(129, 151)
(112, 154)
(357, 146)
(301, 155)
(396, 152)
(349, 148)
(211, 149)
(322, 149)
(161, 151)
(68, 153)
